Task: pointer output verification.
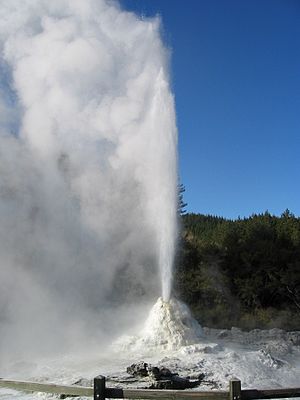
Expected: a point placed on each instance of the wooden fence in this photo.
(100, 392)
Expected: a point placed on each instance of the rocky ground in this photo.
(173, 352)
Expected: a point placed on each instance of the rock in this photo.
(162, 378)
(143, 369)
(270, 361)
(154, 372)
(165, 373)
(196, 377)
(175, 383)
(294, 338)
(140, 369)
(223, 334)
(212, 349)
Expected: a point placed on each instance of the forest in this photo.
(243, 272)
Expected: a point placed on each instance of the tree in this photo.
(181, 204)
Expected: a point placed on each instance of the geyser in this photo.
(88, 159)
(169, 326)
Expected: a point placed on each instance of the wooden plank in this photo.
(114, 393)
(164, 394)
(235, 389)
(47, 388)
(270, 393)
(99, 388)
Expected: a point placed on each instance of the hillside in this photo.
(241, 273)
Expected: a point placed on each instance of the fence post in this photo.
(99, 388)
(235, 392)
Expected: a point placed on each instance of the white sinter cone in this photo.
(169, 326)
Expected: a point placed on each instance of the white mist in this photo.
(88, 159)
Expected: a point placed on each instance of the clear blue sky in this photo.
(236, 77)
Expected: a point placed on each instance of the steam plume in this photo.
(88, 168)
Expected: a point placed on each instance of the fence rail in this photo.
(100, 392)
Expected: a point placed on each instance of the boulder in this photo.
(162, 378)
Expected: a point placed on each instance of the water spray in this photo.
(88, 157)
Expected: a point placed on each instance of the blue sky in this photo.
(236, 78)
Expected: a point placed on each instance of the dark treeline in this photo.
(241, 273)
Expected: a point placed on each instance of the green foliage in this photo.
(242, 271)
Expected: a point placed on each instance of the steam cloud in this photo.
(87, 170)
